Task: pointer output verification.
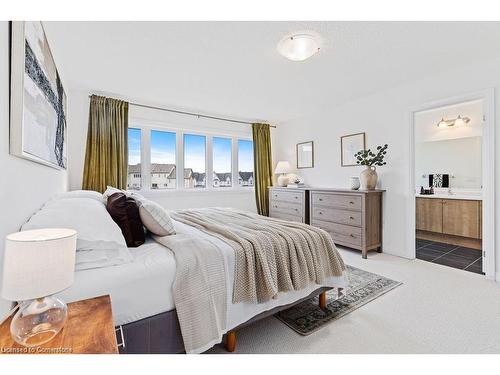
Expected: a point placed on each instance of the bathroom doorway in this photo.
(452, 184)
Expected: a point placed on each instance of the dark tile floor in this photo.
(454, 256)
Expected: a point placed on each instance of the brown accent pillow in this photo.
(125, 213)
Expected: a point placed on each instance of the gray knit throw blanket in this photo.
(271, 255)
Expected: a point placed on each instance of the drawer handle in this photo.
(352, 235)
(275, 195)
(351, 202)
(321, 213)
(350, 217)
(296, 209)
(320, 199)
(296, 197)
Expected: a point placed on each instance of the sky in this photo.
(134, 146)
(163, 151)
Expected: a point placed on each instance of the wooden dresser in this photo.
(289, 204)
(352, 217)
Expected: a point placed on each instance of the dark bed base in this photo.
(161, 334)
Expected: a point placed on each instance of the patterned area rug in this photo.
(307, 317)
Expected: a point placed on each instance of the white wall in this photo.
(24, 185)
(78, 115)
(384, 117)
(460, 158)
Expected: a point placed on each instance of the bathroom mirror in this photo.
(457, 162)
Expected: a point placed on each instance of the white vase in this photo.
(355, 183)
(368, 178)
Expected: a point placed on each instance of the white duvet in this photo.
(143, 287)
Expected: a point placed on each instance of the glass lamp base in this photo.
(38, 321)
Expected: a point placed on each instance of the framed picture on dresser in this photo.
(349, 145)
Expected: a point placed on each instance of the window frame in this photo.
(146, 130)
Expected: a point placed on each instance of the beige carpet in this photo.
(437, 310)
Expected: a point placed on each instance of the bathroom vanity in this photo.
(454, 219)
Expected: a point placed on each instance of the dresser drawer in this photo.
(350, 202)
(341, 233)
(287, 208)
(337, 215)
(284, 216)
(286, 196)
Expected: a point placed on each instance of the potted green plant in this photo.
(368, 158)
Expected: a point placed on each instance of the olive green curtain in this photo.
(107, 144)
(263, 174)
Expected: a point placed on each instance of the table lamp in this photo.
(282, 168)
(37, 264)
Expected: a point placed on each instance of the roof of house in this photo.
(169, 169)
(199, 177)
(222, 176)
(245, 176)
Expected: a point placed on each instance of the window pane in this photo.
(134, 159)
(222, 162)
(194, 161)
(163, 171)
(245, 162)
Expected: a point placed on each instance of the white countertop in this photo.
(471, 197)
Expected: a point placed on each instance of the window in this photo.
(222, 162)
(194, 161)
(163, 169)
(245, 162)
(134, 159)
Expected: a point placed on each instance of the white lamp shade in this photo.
(38, 263)
(282, 167)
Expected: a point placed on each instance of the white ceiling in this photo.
(232, 68)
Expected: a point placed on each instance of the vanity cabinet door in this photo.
(462, 218)
(429, 214)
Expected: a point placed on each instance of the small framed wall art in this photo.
(305, 155)
(349, 145)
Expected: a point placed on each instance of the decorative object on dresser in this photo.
(289, 204)
(353, 218)
(349, 145)
(305, 155)
(88, 330)
(282, 168)
(355, 183)
(37, 264)
(370, 160)
(37, 98)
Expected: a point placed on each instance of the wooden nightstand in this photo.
(88, 330)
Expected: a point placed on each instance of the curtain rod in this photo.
(191, 114)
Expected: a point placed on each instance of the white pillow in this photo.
(95, 228)
(155, 218)
(110, 190)
(79, 194)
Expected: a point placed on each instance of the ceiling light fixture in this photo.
(299, 46)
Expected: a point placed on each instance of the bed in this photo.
(192, 285)
(142, 301)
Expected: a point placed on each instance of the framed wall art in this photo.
(349, 145)
(37, 100)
